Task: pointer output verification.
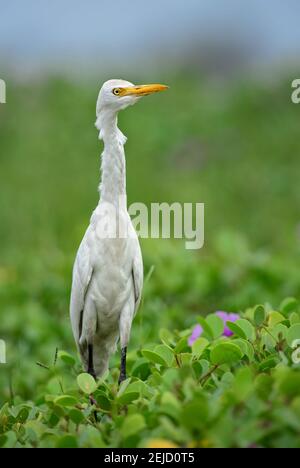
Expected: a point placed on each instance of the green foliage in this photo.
(86, 383)
(238, 153)
(185, 396)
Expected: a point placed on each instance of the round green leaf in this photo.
(290, 384)
(195, 413)
(238, 331)
(288, 305)
(65, 400)
(274, 318)
(76, 416)
(166, 354)
(181, 346)
(199, 346)
(103, 401)
(141, 368)
(128, 397)
(66, 357)
(132, 424)
(247, 328)
(293, 334)
(215, 324)
(166, 336)
(206, 327)
(259, 315)
(86, 383)
(225, 353)
(67, 441)
(245, 347)
(155, 357)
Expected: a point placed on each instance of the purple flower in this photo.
(226, 317)
(197, 331)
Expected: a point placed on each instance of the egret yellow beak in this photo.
(143, 90)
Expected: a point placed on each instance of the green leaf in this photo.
(236, 329)
(263, 386)
(3, 440)
(166, 353)
(294, 318)
(245, 347)
(225, 353)
(199, 346)
(293, 335)
(66, 357)
(65, 400)
(290, 383)
(141, 368)
(90, 437)
(132, 424)
(206, 327)
(103, 401)
(123, 387)
(67, 441)
(243, 383)
(170, 405)
(280, 331)
(128, 397)
(162, 355)
(274, 318)
(204, 366)
(10, 440)
(195, 413)
(259, 315)
(86, 383)
(288, 305)
(154, 357)
(247, 328)
(181, 346)
(216, 325)
(186, 359)
(166, 337)
(76, 416)
(268, 363)
(23, 415)
(3, 410)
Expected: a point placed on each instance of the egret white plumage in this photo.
(108, 270)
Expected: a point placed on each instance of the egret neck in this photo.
(113, 167)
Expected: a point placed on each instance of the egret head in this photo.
(116, 95)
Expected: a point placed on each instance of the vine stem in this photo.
(206, 376)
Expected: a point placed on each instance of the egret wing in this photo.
(82, 275)
(138, 275)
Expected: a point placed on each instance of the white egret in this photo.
(108, 270)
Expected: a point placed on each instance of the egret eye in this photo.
(117, 91)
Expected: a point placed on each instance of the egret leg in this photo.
(123, 365)
(125, 327)
(91, 369)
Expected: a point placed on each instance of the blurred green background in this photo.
(230, 142)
